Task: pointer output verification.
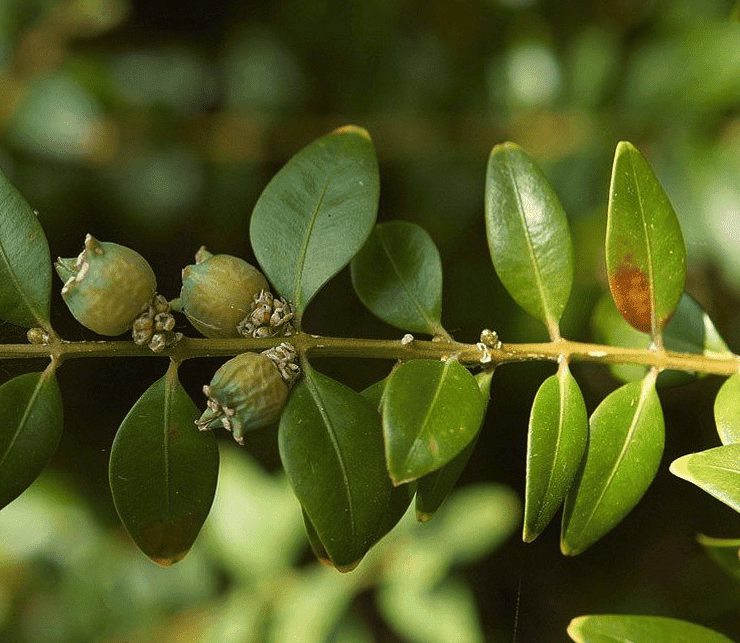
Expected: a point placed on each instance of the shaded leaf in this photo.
(316, 213)
(163, 471)
(723, 551)
(727, 410)
(617, 628)
(716, 471)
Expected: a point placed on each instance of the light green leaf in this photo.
(431, 411)
(316, 213)
(626, 436)
(645, 253)
(716, 471)
(30, 427)
(617, 628)
(398, 276)
(163, 471)
(558, 430)
(528, 235)
(727, 410)
(25, 263)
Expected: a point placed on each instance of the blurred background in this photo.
(156, 124)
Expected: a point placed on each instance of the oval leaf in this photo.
(30, 427)
(716, 471)
(558, 430)
(625, 445)
(618, 628)
(398, 276)
(163, 471)
(645, 253)
(25, 263)
(331, 447)
(528, 235)
(316, 213)
(727, 410)
(723, 551)
(431, 411)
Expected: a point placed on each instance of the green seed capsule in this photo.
(106, 286)
(217, 292)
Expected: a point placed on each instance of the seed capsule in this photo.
(106, 286)
(217, 292)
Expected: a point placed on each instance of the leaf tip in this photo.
(353, 129)
(169, 560)
(424, 516)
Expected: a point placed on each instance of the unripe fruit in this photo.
(106, 286)
(217, 292)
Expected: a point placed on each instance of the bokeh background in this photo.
(156, 124)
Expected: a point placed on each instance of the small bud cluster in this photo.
(269, 316)
(284, 357)
(154, 327)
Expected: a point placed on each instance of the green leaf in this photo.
(558, 430)
(645, 253)
(30, 427)
(431, 411)
(625, 445)
(163, 471)
(398, 276)
(716, 471)
(617, 628)
(528, 235)
(727, 410)
(25, 263)
(723, 551)
(316, 213)
(331, 447)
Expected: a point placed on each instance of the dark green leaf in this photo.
(528, 235)
(625, 445)
(315, 541)
(398, 276)
(163, 471)
(727, 410)
(30, 427)
(331, 446)
(716, 471)
(618, 628)
(645, 253)
(724, 552)
(25, 263)
(431, 411)
(558, 430)
(316, 213)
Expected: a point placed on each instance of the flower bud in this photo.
(217, 292)
(106, 286)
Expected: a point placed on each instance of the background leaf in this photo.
(25, 263)
(645, 253)
(316, 213)
(30, 427)
(723, 551)
(528, 234)
(727, 410)
(163, 471)
(716, 471)
(398, 276)
(625, 445)
(608, 628)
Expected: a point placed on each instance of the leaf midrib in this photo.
(24, 418)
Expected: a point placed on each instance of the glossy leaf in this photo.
(558, 430)
(431, 411)
(618, 628)
(723, 551)
(625, 445)
(645, 253)
(25, 263)
(716, 471)
(727, 410)
(316, 213)
(163, 471)
(398, 276)
(30, 427)
(528, 234)
(331, 447)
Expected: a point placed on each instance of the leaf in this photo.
(398, 276)
(163, 471)
(25, 263)
(316, 213)
(431, 411)
(724, 552)
(617, 628)
(645, 253)
(331, 447)
(716, 471)
(30, 428)
(558, 430)
(625, 445)
(528, 235)
(727, 410)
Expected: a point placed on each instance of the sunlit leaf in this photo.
(716, 471)
(723, 551)
(316, 213)
(645, 253)
(398, 276)
(618, 628)
(528, 234)
(163, 471)
(727, 410)
(625, 445)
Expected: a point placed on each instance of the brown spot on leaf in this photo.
(631, 292)
(166, 542)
